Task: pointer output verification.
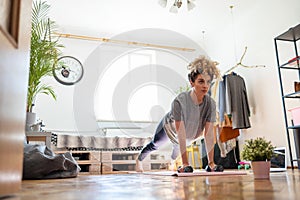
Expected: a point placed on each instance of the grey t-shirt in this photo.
(194, 116)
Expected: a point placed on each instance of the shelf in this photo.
(293, 68)
(294, 127)
(87, 162)
(158, 161)
(125, 161)
(98, 162)
(41, 136)
(293, 34)
(292, 95)
(290, 65)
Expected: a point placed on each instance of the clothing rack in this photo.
(242, 65)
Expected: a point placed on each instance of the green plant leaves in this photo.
(44, 52)
(258, 149)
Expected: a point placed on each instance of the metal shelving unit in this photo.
(292, 35)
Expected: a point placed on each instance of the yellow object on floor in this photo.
(192, 149)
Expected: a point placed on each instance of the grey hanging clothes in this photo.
(237, 101)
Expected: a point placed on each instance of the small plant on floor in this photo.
(258, 149)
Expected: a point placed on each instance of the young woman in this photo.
(192, 114)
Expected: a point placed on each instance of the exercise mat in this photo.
(196, 173)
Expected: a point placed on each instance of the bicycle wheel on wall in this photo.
(68, 70)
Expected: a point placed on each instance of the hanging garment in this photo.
(225, 136)
(221, 101)
(227, 132)
(236, 101)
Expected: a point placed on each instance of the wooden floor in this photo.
(281, 185)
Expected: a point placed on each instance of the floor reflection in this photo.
(141, 186)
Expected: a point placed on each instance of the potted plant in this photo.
(259, 151)
(44, 53)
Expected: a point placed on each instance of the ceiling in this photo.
(211, 24)
(102, 18)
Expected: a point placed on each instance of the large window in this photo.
(136, 89)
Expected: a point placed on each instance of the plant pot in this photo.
(30, 120)
(261, 169)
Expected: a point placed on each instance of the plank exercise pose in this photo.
(192, 114)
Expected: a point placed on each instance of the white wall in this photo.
(222, 32)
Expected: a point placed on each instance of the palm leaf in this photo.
(44, 52)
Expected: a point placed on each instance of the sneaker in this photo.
(138, 166)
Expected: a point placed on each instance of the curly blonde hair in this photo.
(203, 65)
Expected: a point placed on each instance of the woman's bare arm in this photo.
(209, 142)
(180, 130)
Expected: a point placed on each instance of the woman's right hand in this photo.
(185, 168)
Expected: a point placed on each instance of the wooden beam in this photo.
(81, 37)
